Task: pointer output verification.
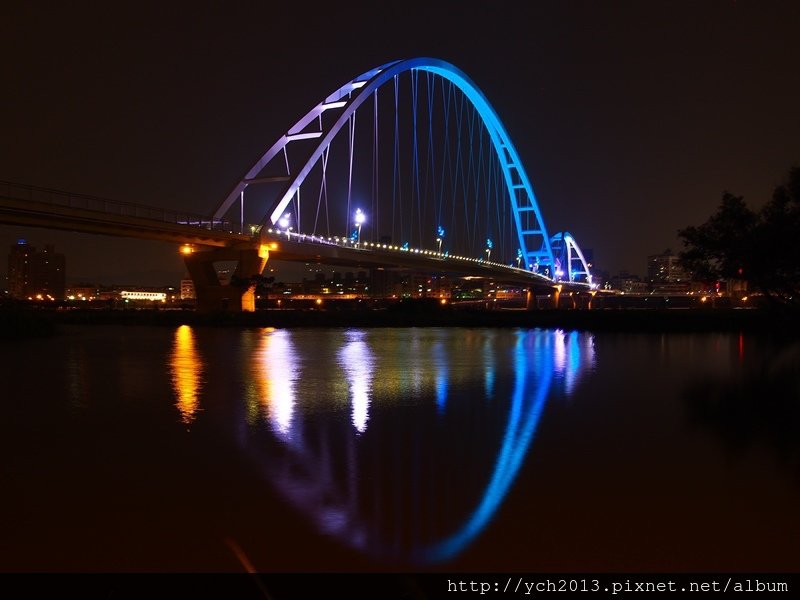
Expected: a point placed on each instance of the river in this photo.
(221, 449)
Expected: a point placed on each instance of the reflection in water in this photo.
(533, 372)
(488, 368)
(355, 359)
(354, 481)
(568, 359)
(440, 364)
(761, 409)
(187, 373)
(76, 377)
(275, 373)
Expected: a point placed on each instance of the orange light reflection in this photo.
(187, 373)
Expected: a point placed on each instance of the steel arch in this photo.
(567, 252)
(352, 94)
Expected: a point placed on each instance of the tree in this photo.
(263, 285)
(758, 246)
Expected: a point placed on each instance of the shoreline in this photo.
(26, 323)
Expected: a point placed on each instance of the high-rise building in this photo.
(665, 268)
(36, 275)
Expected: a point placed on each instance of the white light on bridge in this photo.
(360, 218)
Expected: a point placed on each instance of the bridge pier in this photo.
(236, 296)
(530, 299)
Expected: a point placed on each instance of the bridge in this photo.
(406, 167)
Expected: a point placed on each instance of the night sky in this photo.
(632, 118)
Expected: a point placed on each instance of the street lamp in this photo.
(439, 238)
(284, 224)
(488, 249)
(360, 218)
(519, 256)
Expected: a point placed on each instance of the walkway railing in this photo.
(61, 198)
(352, 244)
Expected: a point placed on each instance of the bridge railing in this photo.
(17, 191)
(388, 248)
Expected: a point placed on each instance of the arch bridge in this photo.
(407, 166)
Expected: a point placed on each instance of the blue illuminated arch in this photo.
(568, 255)
(534, 242)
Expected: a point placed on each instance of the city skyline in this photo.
(631, 119)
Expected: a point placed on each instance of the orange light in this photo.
(319, 300)
(186, 249)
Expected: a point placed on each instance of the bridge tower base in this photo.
(530, 299)
(237, 296)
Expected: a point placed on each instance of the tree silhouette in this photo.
(263, 285)
(760, 247)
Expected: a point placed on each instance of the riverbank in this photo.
(22, 323)
(18, 324)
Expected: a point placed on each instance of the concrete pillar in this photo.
(557, 296)
(213, 296)
(530, 299)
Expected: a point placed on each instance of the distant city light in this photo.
(152, 296)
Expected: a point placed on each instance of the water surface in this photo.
(160, 449)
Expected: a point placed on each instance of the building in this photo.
(665, 268)
(34, 275)
(150, 296)
(187, 289)
(83, 292)
(627, 283)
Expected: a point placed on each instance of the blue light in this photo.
(440, 231)
(515, 177)
(441, 377)
(527, 405)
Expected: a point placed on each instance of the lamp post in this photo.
(284, 224)
(488, 250)
(519, 256)
(439, 238)
(360, 218)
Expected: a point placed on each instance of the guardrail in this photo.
(18, 191)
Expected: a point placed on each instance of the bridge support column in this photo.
(557, 297)
(530, 299)
(237, 296)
